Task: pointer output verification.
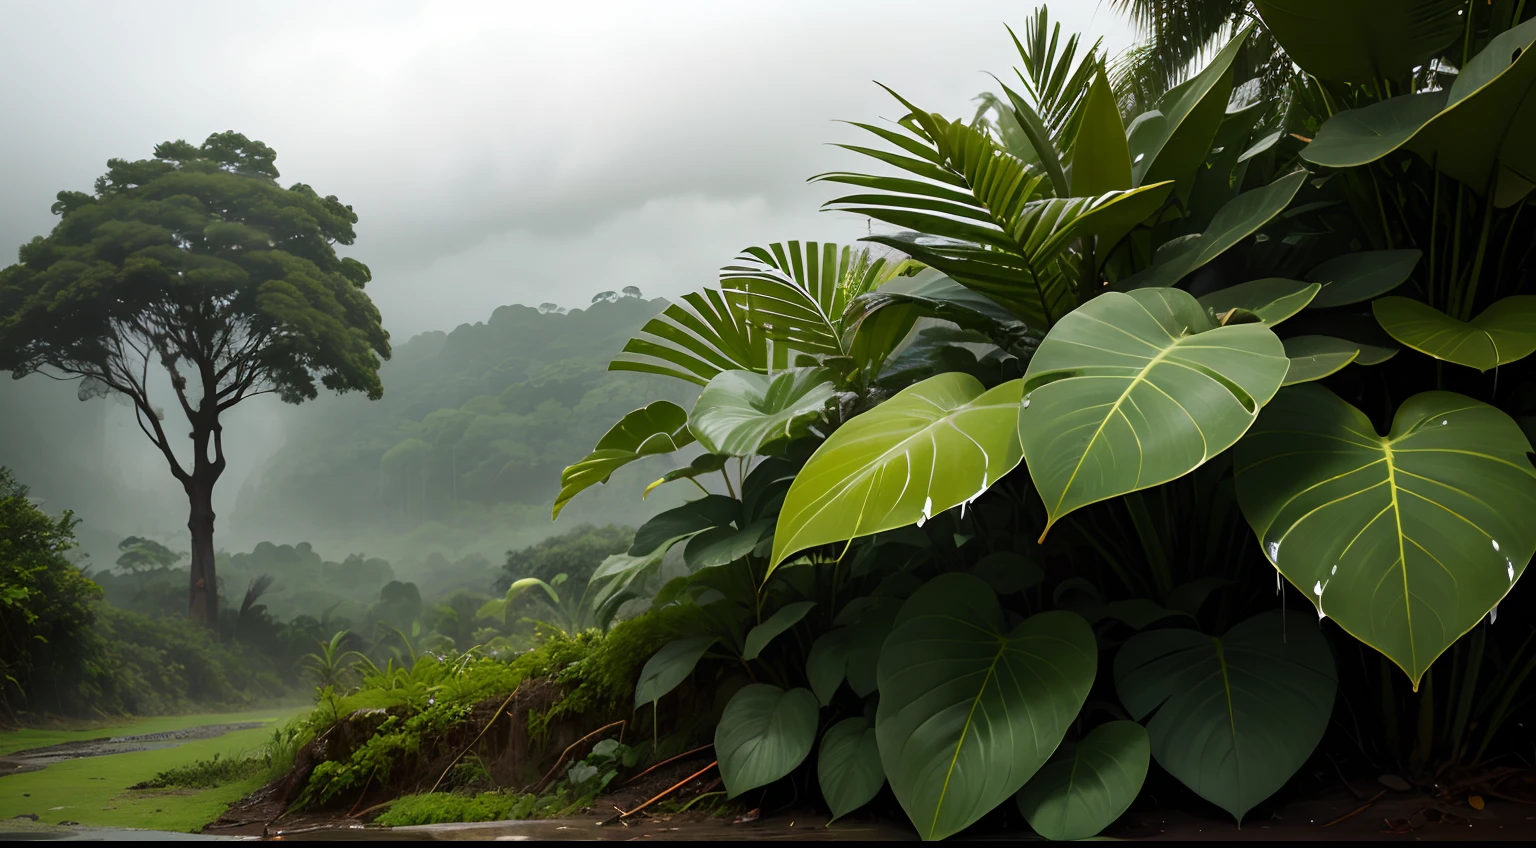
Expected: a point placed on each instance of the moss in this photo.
(445, 807)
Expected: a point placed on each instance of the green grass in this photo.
(12, 741)
(94, 790)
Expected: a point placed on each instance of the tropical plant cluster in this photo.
(1169, 436)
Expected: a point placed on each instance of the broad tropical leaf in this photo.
(682, 522)
(1362, 41)
(797, 294)
(1239, 218)
(938, 296)
(1172, 141)
(1477, 131)
(1505, 332)
(739, 412)
(1236, 716)
(764, 733)
(697, 341)
(1315, 357)
(659, 427)
(1361, 276)
(848, 766)
(1133, 390)
(1088, 785)
(1272, 299)
(1101, 163)
(827, 664)
(932, 446)
(619, 578)
(786, 617)
(723, 544)
(669, 667)
(1406, 540)
(969, 710)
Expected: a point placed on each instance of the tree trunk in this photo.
(203, 592)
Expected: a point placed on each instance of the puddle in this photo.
(36, 759)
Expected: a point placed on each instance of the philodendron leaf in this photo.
(934, 445)
(1315, 357)
(1239, 218)
(1088, 785)
(740, 411)
(1273, 299)
(969, 710)
(681, 522)
(1133, 390)
(1505, 332)
(670, 666)
(1361, 276)
(786, 617)
(848, 767)
(827, 664)
(1407, 540)
(724, 544)
(659, 427)
(1236, 716)
(764, 733)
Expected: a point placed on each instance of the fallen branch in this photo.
(544, 781)
(455, 760)
(667, 760)
(664, 793)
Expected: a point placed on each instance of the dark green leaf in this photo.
(786, 617)
(684, 521)
(1362, 41)
(763, 735)
(1088, 785)
(1503, 333)
(848, 767)
(669, 667)
(1315, 357)
(1273, 299)
(659, 427)
(1357, 277)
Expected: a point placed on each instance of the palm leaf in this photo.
(797, 293)
(696, 341)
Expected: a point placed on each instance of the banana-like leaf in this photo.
(1172, 141)
(1236, 716)
(1272, 299)
(848, 767)
(656, 428)
(1361, 276)
(797, 293)
(1101, 162)
(1476, 132)
(1362, 41)
(697, 341)
(1407, 540)
(739, 412)
(969, 710)
(1315, 357)
(1503, 333)
(934, 445)
(669, 667)
(1133, 390)
(1088, 785)
(704, 463)
(1239, 218)
(764, 733)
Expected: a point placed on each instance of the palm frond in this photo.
(797, 293)
(1054, 75)
(697, 339)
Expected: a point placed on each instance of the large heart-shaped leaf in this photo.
(1133, 390)
(1088, 785)
(1315, 357)
(764, 733)
(1360, 276)
(670, 666)
(848, 767)
(659, 427)
(739, 412)
(1272, 299)
(1362, 40)
(1236, 715)
(969, 711)
(786, 617)
(1172, 141)
(1505, 332)
(1406, 540)
(932, 446)
(1239, 218)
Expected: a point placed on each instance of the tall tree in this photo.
(197, 263)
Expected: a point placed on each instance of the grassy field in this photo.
(94, 790)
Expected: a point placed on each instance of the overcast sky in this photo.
(506, 152)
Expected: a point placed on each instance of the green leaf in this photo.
(1315, 357)
(1101, 163)
(866, 639)
(1406, 540)
(617, 579)
(932, 446)
(1361, 276)
(938, 296)
(969, 711)
(1363, 40)
(497, 607)
(764, 733)
(1172, 141)
(1273, 299)
(669, 667)
(659, 427)
(739, 412)
(1505, 332)
(724, 544)
(1236, 716)
(683, 521)
(797, 293)
(786, 617)
(1088, 785)
(1133, 390)
(697, 339)
(704, 463)
(1241, 217)
(848, 767)
(1008, 573)
(827, 664)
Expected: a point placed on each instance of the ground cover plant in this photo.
(1010, 496)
